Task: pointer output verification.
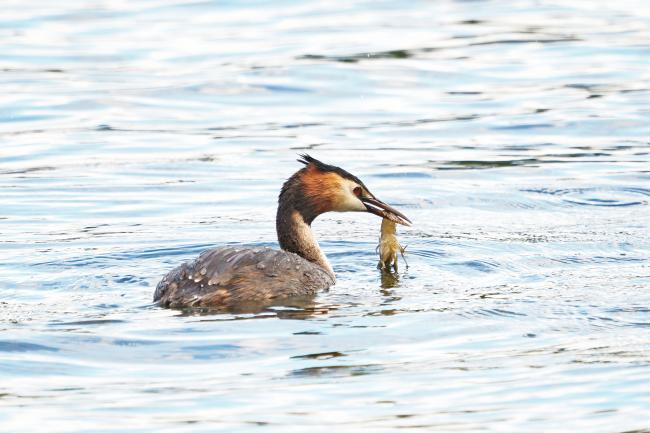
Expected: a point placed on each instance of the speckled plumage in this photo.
(230, 276)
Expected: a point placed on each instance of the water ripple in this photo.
(599, 196)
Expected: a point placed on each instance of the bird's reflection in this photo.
(299, 307)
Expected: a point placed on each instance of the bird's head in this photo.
(327, 188)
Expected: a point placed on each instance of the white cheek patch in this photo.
(348, 201)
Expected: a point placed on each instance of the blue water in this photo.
(513, 133)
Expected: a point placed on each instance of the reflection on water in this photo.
(514, 135)
(389, 280)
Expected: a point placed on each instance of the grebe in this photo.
(230, 277)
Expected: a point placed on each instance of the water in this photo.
(513, 133)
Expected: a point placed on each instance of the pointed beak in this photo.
(383, 210)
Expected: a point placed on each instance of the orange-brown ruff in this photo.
(231, 277)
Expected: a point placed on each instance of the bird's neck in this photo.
(295, 234)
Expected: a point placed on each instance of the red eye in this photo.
(357, 191)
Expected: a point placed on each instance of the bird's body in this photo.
(231, 277)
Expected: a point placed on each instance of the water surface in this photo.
(514, 134)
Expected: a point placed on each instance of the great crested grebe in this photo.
(232, 276)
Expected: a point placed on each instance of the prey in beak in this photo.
(379, 208)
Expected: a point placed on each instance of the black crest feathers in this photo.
(307, 160)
